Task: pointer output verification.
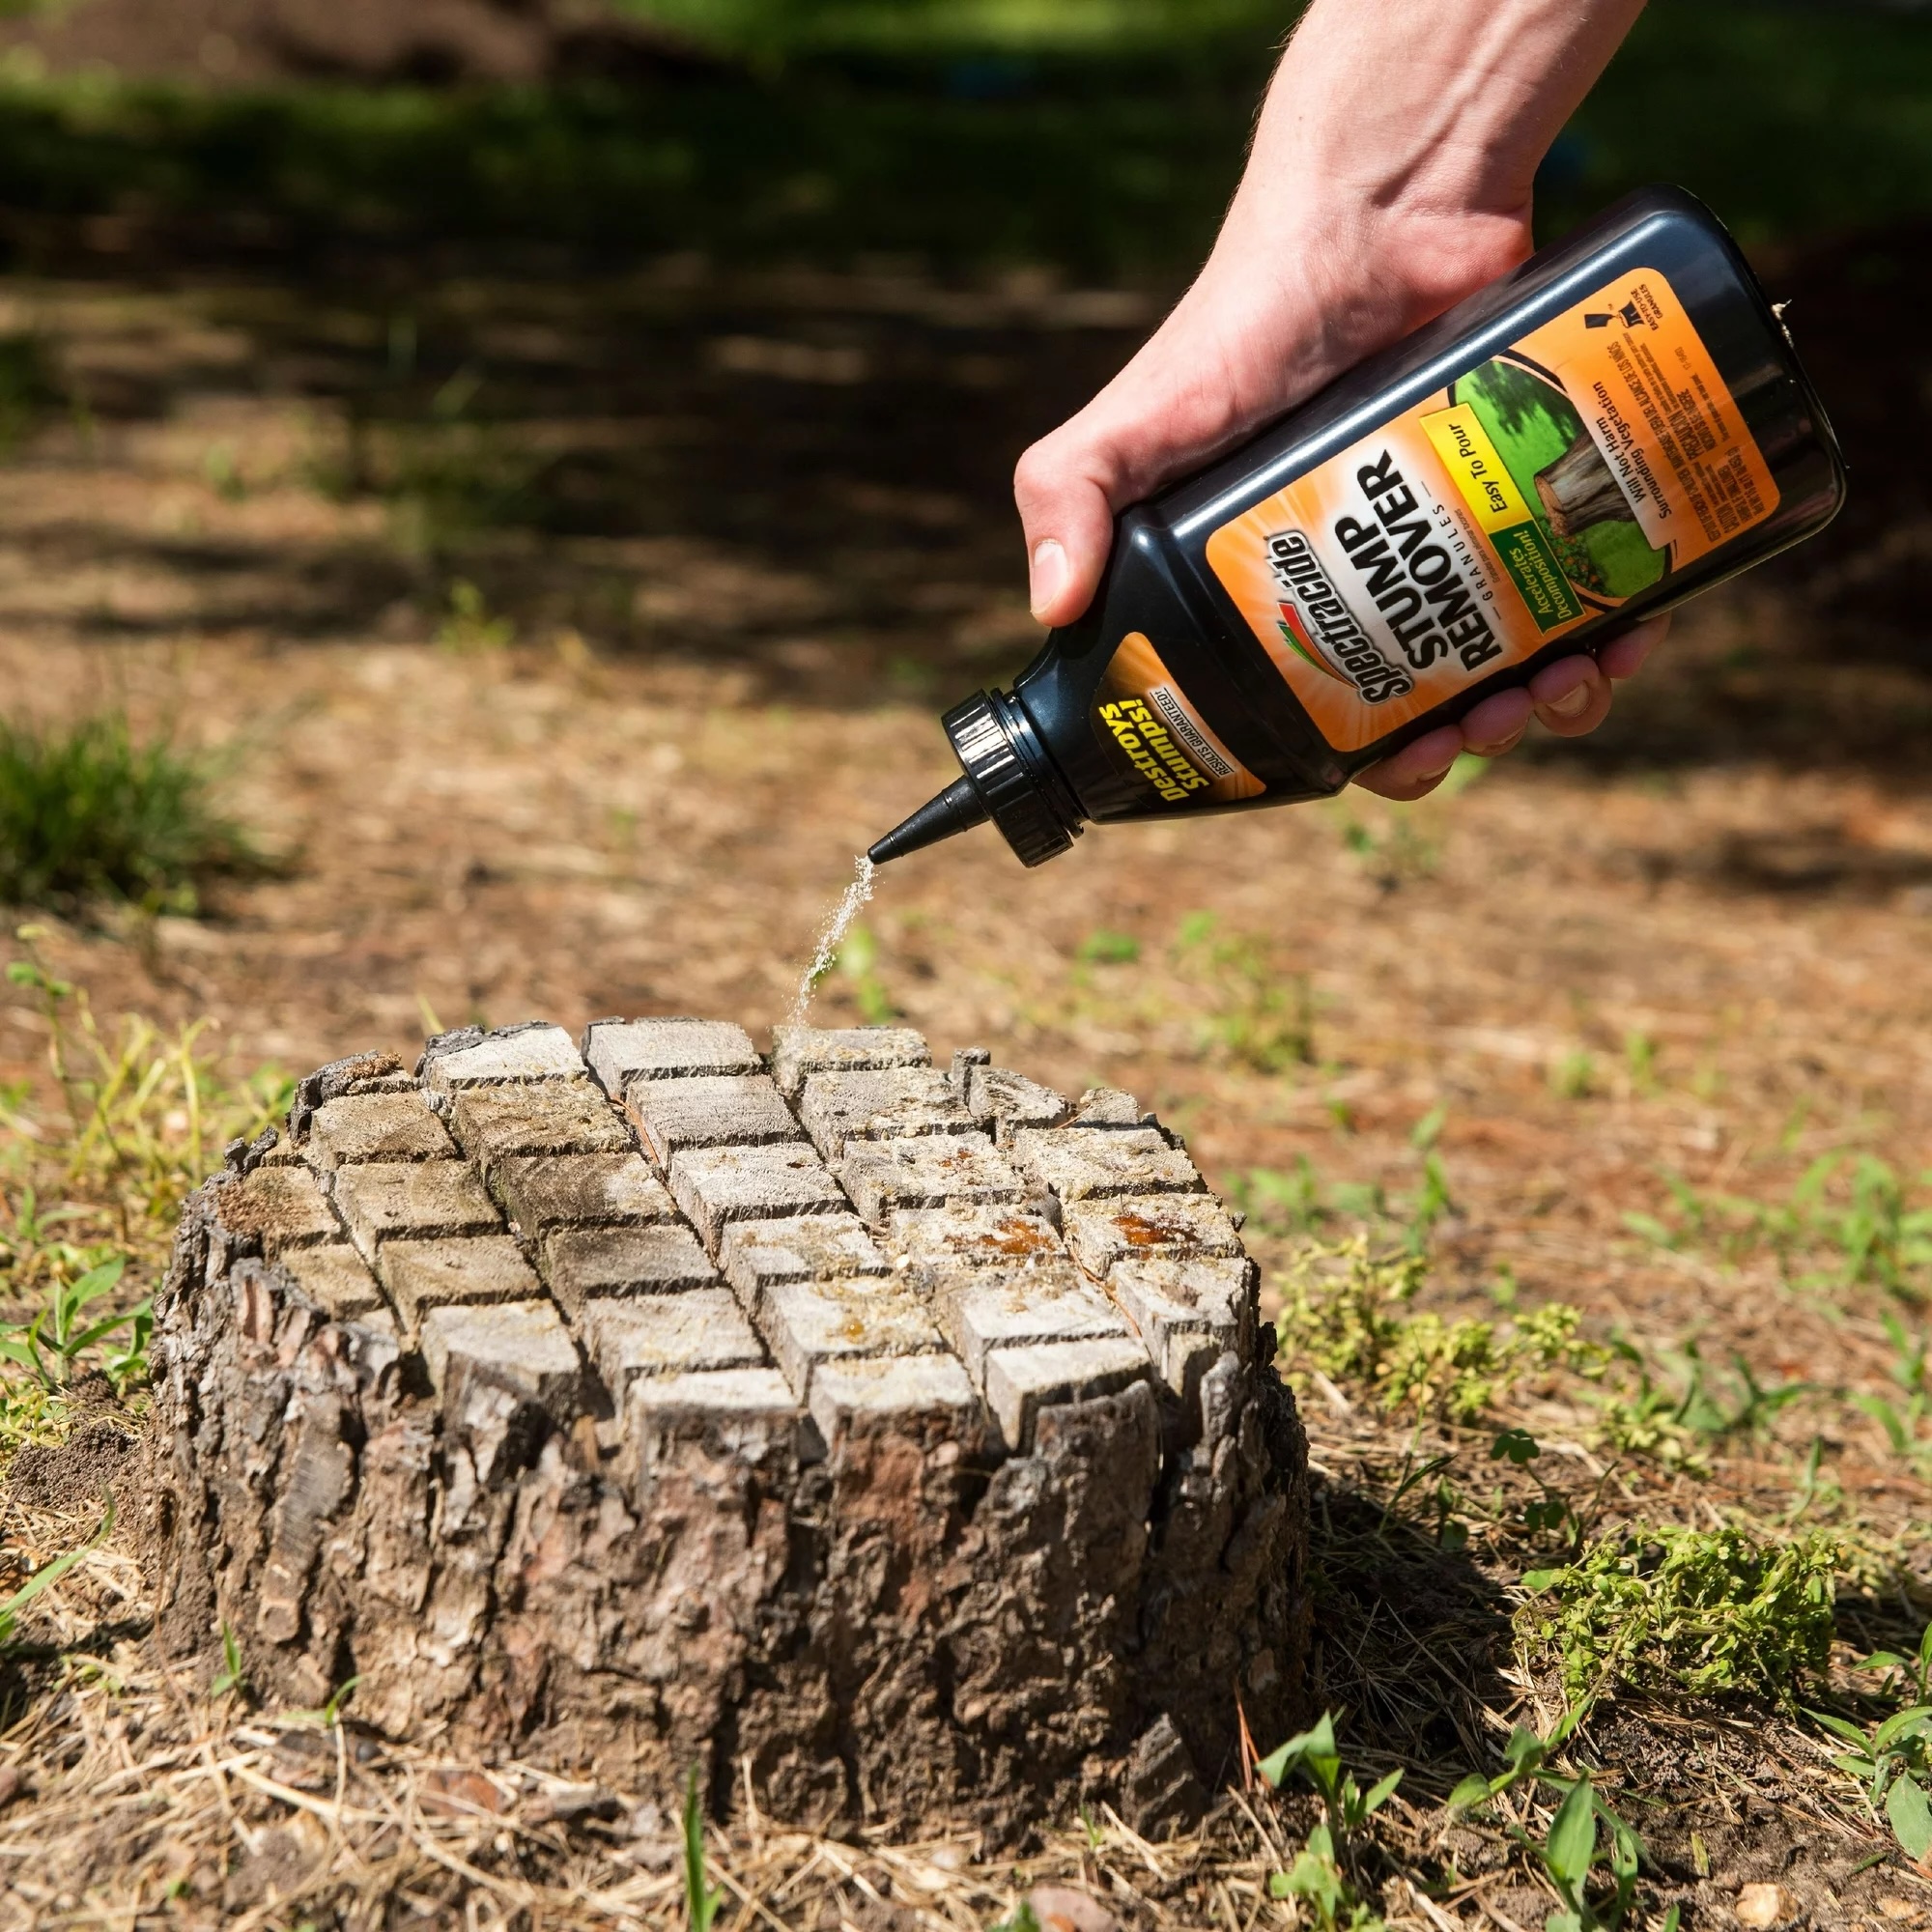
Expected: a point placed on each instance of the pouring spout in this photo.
(957, 808)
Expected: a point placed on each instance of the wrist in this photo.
(1331, 279)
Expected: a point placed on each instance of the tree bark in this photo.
(1579, 488)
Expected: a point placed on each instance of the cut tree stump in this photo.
(1579, 490)
(902, 1438)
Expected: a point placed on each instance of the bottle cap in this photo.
(1007, 781)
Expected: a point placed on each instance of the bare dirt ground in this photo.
(733, 543)
(568, 640)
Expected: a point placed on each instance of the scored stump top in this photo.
(855, 1233)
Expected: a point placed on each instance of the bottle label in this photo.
(1549, 485)
(1142, 716)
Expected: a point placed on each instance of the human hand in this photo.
(1570, 697)
(1390, 178)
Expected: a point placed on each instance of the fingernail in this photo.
(1431, 777)
(1501, 744)
(1572, 704)
(1048, 574)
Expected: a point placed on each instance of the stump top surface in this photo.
(658, 1225)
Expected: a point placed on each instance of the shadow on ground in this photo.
(806, 472)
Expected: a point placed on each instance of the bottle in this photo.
(1617, 424)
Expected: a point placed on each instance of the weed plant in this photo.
(144, 1109)
(701, 1898)
(471, 628)
(1575, 1842)
(1894, 1763)
(1263, 1013)
(1297, 1202)
(1663, 1605)
(1848, 1222)
(45, 1577)
(1321, 1875)
(1674, 1408)
(1349, 1311)
(64, 1331)
(88, 811)
(90, 1189)
(1904, 1415)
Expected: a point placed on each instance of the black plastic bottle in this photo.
(1617, 424)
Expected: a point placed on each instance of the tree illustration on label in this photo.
(1584, 521)
(1579, 490)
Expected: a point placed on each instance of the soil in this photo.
(72, 1474)
(747, 535)
(735, 539)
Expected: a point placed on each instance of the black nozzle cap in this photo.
(1008, 779)
(957, 808)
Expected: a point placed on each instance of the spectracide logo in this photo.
(1318, 627)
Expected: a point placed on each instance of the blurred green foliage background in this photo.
(1100, 135)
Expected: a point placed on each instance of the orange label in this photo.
(1146, 719)
(1575, 471)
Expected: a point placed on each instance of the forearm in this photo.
(1390, 177)
(1399, 140)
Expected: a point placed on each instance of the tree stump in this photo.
(902, 1436)
(1579, 490)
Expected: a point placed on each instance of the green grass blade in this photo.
(48, 1574)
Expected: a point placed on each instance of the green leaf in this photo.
(1318, 1741)
(1898, 1725)
(24, 1353)
(1840, 1728)
(1625, 1860)
(1650, 1228)
(701, 1900)
(1379, 1792)
(88, 1337)
(1911, 1815)
(1573, 1837)
(1473, 1790)
(91, 1285)
(1536, 1581)
(1516, 1445)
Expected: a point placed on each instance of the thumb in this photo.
(1067, 514)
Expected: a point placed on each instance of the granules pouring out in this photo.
(832, 935)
